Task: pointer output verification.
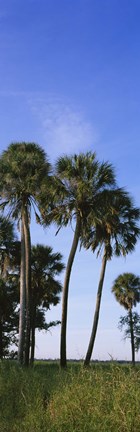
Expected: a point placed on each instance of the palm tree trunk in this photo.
(63, 361)
(132, 337)
(28, 284)
(33, 321)
(97, 311)
(22, 299)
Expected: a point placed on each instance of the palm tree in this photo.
(116, 233)
(132, 327)
(78, 185)
(126, 289)
(46, 266)
(23, 170)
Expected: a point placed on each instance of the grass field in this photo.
(104, 398)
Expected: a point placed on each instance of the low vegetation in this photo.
(104, 398)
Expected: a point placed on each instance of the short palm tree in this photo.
(23, 170)
(46, 267)
(126, 289)
(115, 233)
(78, 185)
(131, 322)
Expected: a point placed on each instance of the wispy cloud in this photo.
(65, 129)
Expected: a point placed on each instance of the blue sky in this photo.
(69, 80)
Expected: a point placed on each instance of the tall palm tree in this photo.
(78, 185)
(126, 289)
(116, 234)
(23, 170)
(46, 267)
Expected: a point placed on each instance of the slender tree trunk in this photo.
(33, 321)
(63, 361)
(1, 340)
(97, 311)
(28, 284)
(132, 337)
(22, 299)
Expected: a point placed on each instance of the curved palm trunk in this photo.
(132, 337)
(28, 284)
(97, 311)
(22, 299)
(63, 361)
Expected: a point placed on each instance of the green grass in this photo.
(104, 398)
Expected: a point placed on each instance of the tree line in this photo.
(78, 189)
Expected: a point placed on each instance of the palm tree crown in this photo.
(116, 227)
(78, 183)
(126, 289)
(23, 167)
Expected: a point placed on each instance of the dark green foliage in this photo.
(9, 247)
(77, 184)
(9, 296)
(6, 231)
(46, 266)
(116, 226)
(126, 289)
(9, 299)
(22, 167)
(126, 323)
